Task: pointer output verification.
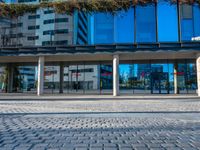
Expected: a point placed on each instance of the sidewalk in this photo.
(27, 96)
(98, 103)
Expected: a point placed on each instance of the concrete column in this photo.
(198, 75)
(40, 86)
(61, 77)
(10, 78)
(115, 75)
(176, 78)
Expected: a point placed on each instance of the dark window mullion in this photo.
(156, 17)
(179, 21)
(135, 24)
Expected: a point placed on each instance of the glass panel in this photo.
(196, 14)
(191, 78)
(92, 79)
(126, 78)
(182, 77)
(145, 24)
(81, 78)
(66, 84)
(141, 78)
(160, 78)
(27, 79)
(51, 79)
(103, 28)
(2, 79)
(73, 78)
(167, 22)
(171, 78)
(124, 26)
(190, 22)
(106, 80)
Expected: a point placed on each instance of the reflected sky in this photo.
(125, 70)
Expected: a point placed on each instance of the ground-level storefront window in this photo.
(157, 78)
(140, 77)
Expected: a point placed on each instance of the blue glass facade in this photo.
(124, 20)
(190, 22)
(161, 22)
(145, 24)
(167, 22)
(104, 28)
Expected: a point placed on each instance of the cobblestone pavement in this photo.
(100, 131)
(103, 124)
(101, 104)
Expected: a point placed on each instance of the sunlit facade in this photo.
(151, 49)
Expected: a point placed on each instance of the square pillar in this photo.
(116, 75)
(176, 91)
(40, 86)
(198, 74)
(61, 77)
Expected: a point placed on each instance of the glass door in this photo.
(159, 79)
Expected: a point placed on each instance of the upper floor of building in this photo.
(153, 23)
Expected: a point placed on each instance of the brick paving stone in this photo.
(97, 131)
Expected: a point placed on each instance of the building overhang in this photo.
(143, 51)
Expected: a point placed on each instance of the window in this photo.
(61, 31)
(48, 32)
(82, 70)
(196, 15)
(103, 28)
(52, 32)
(34, 17)
(26, 1)
(16, 35)
(48, 21)
(124, 26)
(33, 27)
(57, 20)
(186, 22)
(48, 11)
(14, 25)
(190, 17)
(31, 38)
(167, 22)
(145, 23)
(63, 42)
(44, 43)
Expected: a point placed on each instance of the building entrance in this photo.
(160, 83)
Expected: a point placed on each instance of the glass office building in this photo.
(148, 49)
(161, 22)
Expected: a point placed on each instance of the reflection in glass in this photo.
(2, 79)
(191, 78)
(124, 26)
(125, 78)
(92, 79)
(167, 22)
(103, 28)
(160, 78)
(190, 22)
(73, 78)
(51, 79)
(142, 78)
(106, 78)
(145, 23)
(187, 81)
